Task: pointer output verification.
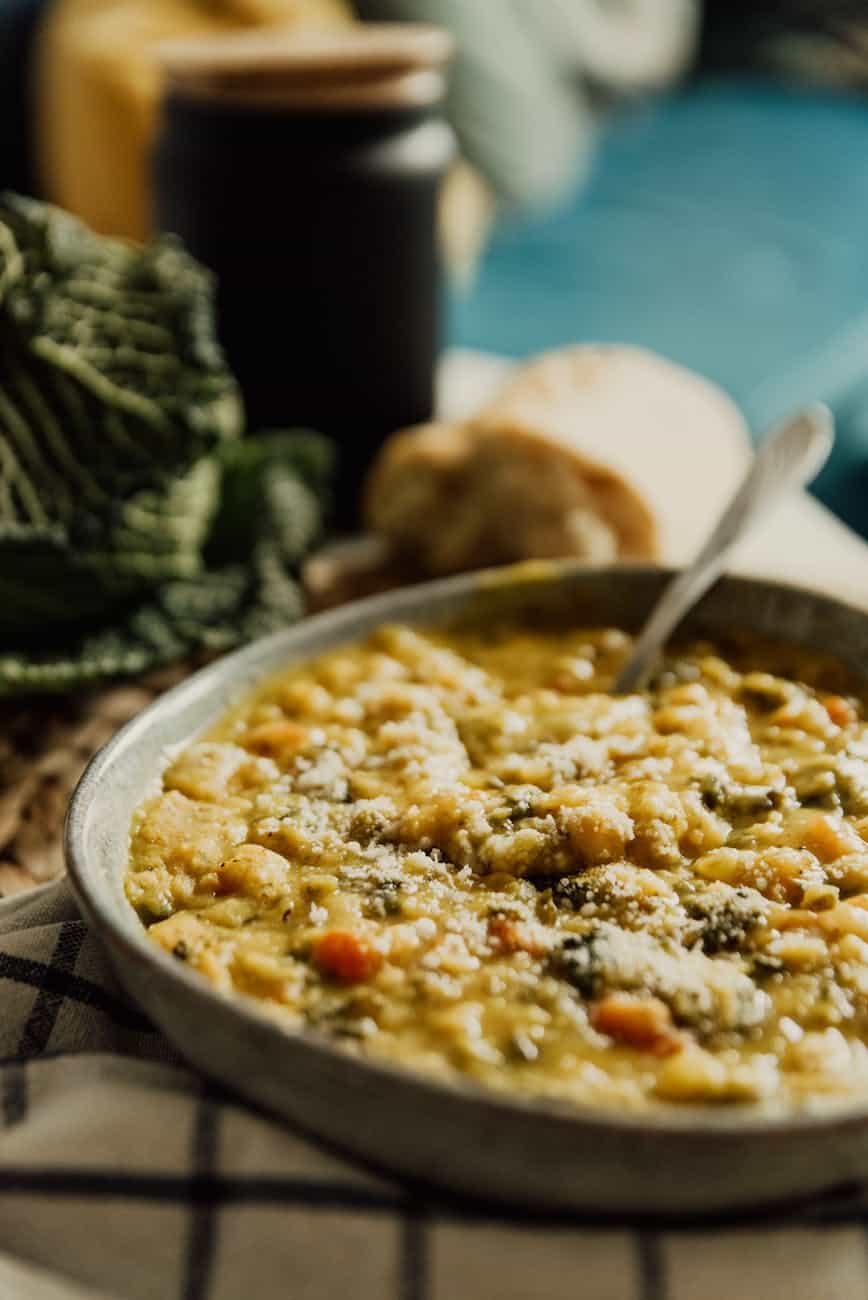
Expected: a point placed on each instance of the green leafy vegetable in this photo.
(135, 524)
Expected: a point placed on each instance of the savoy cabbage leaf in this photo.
(136, 525)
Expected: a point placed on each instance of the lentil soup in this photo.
(460, 852)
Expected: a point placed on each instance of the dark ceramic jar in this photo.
(306, 173)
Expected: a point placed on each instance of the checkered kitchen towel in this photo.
(123, 1175)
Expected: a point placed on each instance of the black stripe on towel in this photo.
(202, 1236)
(649, 1264)
(51, 993)
(54, 984)
(414, 1253)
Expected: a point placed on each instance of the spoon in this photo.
(789, 457)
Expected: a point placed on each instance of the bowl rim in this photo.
(671, 1120)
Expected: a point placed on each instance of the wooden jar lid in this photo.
(370, 65)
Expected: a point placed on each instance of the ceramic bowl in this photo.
(460, 1136)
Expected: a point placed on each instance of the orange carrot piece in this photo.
(841, 711)
(346, 956)
(640, 1022)
(510, 935)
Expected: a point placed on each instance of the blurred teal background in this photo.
(726, 227)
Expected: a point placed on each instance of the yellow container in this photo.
(98, 86)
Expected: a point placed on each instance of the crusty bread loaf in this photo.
(454, 497)
(597, 452)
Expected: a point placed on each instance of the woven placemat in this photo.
(45, 745)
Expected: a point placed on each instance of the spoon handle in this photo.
(789, 457)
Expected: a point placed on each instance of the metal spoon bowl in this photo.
(788, 458)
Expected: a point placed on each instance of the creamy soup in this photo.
(460, 852)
